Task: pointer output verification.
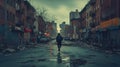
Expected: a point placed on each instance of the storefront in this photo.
(27, 32)
(107, 33)
(110, 30)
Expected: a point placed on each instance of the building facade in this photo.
(102, 19)
(82, 24)
(7, 22)
(13, 22)
(41, 25)
(110, 20)
(74, 21)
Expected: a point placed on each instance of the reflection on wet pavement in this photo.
(77, 62)
(63, 57)
(59, 58)
(48, 56)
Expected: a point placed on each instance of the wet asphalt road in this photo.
(46, 55)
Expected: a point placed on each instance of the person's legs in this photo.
(59, 46)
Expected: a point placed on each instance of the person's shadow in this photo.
(59, 58)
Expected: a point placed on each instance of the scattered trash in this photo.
(8, 50)
(21, 48)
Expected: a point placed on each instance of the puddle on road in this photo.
(61, 59)
(69, 61)
(65, 59)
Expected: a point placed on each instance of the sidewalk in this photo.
(91, 46)
(85, 45)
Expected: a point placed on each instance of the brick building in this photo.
(7, 21)
(74, 21)
(110, 20)
(103, 18)
(51, 29)
(105, 23)
(29, 21)
(82, 23)
(13, 20)
(41, 25)
(96, 19)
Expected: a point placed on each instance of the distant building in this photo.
(54, 25)
(74, 15)
(51, 29)
(74, 21)
(65, 30)
(62, 26)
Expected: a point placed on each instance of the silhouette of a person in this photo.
(59, 58)
(59, 39)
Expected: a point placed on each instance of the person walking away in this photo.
(59, 39)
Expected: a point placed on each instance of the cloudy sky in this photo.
(59, 9)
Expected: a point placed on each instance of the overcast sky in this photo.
(59, 9)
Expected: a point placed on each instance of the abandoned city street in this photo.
(59, 33)
(46, 55)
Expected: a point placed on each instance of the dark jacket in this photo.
(59, 38)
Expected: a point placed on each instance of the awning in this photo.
(110, 23)
(107, 25)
